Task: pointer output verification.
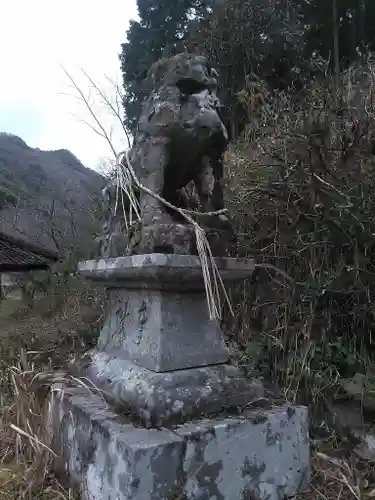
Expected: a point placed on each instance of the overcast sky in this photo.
(36, 101)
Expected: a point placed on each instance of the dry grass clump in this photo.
(25, 439)
(345, 478)
(62, 322)
(34, 344)
(302, 189)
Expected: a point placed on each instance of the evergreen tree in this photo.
(270, 38)
(355, 27)
(163, 26)
(247, 39)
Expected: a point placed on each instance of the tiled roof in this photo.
(19, 255)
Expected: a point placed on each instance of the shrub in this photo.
(301, 186)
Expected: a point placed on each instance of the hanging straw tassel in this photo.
(126, 179)
(125, 184)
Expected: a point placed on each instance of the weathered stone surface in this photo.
(158, 332)
(172, 397)
(261, 456)
(161, 271)
(158, 319)
(180, 239)
(180, 140)
(157, 314)
(350, 420)
(162, 331)
(109, 458)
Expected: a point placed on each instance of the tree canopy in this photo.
(274, 39)
(161, 31)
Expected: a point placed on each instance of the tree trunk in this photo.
(361, 25)
(336, 48)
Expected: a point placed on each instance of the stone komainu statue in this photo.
(180, 142)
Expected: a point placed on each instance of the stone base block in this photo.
(167, 398)
(180, 239)
(162, 331)
(260, 455)
(173, 238)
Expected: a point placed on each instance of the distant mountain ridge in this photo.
(46, 197)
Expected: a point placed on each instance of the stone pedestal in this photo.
(260, 455)
(161, 330)
(159, 355)
(161, 367)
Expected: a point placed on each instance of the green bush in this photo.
(301, 187)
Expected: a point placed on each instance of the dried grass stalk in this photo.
(25, 440)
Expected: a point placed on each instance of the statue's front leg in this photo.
(205, 184)
(151, 162)
(160, 231)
